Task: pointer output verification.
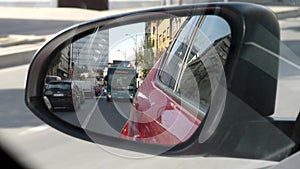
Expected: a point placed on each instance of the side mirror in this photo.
(193, 64)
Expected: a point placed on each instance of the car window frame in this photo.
(186, 60)
(167, 54)
(171, 92)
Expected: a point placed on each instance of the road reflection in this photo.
(99, 115)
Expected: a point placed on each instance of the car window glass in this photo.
(208, 52)
(173, 63)
(63, 86)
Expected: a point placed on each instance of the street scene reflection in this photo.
(91, 82)
(114, 81)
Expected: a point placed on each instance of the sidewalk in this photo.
(81, 15)
(17, 45)
(19, 49)
(283, 12)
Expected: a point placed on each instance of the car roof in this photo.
(60, 81)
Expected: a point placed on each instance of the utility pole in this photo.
(179, 2)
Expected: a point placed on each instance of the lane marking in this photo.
(88, 117)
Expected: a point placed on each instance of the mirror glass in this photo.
(147, 81)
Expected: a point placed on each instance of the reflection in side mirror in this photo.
(181, 103)
(105, 82)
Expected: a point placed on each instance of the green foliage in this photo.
(146, 58)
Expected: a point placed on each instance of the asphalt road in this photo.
(289, 74)
(99, 116)
(39, 146)
(32, 27)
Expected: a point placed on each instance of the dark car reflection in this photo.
(62, 94)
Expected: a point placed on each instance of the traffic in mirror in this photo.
(150, 82)
(192, 80)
